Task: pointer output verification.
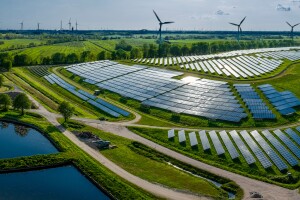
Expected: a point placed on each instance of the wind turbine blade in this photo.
(156, 16)
(233, 24)
(241, 30)
(296, 25)
(242, 20)
(289, 24)
(168, 22)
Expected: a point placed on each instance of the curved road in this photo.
(269, 191)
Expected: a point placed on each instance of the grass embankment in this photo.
(70, 153)
(271, 175)
(54, 95)
(150, 165)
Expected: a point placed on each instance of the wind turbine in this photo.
(292, 29)
(160, 26)
(38, 26)
(61, 25)
(70, 24)
(239, 28)
(22, 25)
(76, 26)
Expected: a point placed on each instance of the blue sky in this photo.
(137, 14)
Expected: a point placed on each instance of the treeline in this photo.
(203, 48)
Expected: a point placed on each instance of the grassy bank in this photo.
(256, 171)
(102, 176)
(150, 165)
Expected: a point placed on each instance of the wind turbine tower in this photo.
(38, 26)
(292, 29)
(239, 28)
(160, 26)
(70, 25)
(22, 25)
(76, 26)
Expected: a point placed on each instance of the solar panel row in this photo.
(255, 104)
(99, 103)
(282, 101)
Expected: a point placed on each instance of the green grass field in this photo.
(37, 53)
(210, 157)
(19, 43)
(150, 169)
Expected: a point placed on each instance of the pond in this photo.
(61, 183)
(17, 140)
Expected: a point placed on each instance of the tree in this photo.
(72, 58)
(87, 56)
(5, 101)
(7, 64)
(21, 102)
(22, 60)
(135, 53)
(123, 45)
(58, 58)
(66, 110)
(102, 55)
(1, 80)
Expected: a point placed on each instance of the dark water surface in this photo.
(17, 140)
(61, 183)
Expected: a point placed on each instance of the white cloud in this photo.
(284, 8)
(221, 12)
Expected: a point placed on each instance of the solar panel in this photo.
(286, 140)
(229, 145)
(242, 147)
(204, 140)
(181, 136)
(293, 135)
(269, 151)
(217, 144)
(280, 148)
(193, 139)
(103, 108)
(265, 162)
(171, 133)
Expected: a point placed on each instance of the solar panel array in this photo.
(256, 150)
(255, 104)
(286, 140)
(217, 144)
(96, 72)
(193, 139)
(280, 148)
(242, 147)
(293, 135)
(232, 64)
(282, 101)
(229, 145)
(85, 96)
(157, 88)
(256, 144)
(204, 140)
(269, 151)
(290, 55)
(205, 98)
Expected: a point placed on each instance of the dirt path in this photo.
(269, 191)
(155, 189)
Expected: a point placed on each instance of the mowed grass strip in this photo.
(272, 175)
(149, 169)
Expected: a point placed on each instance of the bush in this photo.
(175, 117)
(145, 108)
